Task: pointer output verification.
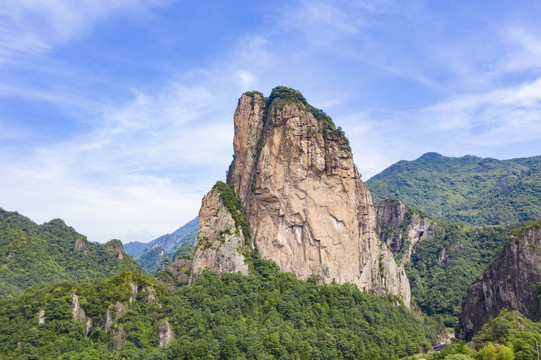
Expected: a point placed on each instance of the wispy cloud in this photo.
(32, 27)
(157, 153)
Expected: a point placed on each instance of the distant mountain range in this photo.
(469, 189)
(151, 255)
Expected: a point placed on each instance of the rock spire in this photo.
(303, 197)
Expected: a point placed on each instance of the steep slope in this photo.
(32, 254)
(512, 281)
(222, 245)
(441, 259)
(303, 197)
(91, 321)
(402, 227)
(469, 189)
(151, 255)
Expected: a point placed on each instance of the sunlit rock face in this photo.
(220, 244)
(304, 199)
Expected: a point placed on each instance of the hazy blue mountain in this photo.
(150, 255)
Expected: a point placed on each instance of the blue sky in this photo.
(116, 115)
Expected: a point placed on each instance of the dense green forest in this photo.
(470, 189)
(510, 336)
(266, 315)
(32, 255)
(444, 267)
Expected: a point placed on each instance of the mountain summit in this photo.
(302, 195)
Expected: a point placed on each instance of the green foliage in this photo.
(252, 93)
(327, 126)
(266, 315)
(151, 260)
(513, 330)
(510, 336)
(185, 250)
(32, 255)
(60, 337)
(233, 203)
(523, 230)
(469, 189)
(444, 266)
(286, 94)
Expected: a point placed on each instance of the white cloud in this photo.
(32, 27)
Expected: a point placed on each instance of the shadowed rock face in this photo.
(402, 227)
(304, 200)
(511, 281)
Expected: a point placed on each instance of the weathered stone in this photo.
(219, 244)
(402, 228)
(511, 281)
(41, 316)
(76, 309)
(165, 334)
(304, 199)
(80, 246)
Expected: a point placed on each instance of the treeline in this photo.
(266, 315)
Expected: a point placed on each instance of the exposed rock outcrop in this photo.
(116, 246)
(220, 241)
(41, 316)
(303, 196)
(165, 334)
(511, 281)
(80, 246)
(76, 309)
(177, 274)
(402, 227)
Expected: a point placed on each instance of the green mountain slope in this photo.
(469, 189)
(32, 254)
(441, 260)
(265, 315)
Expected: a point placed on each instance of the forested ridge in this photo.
(33, 255)
(266, 315)
(469, 189)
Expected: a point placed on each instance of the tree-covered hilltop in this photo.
(266, 315)
(32, 255)
(510, 336)
(470, 189)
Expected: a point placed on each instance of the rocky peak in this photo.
(511, 281)
(303, 196)
(115, 245)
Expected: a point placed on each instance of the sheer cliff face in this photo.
(303, 197)
(511, 281)
(219, 244)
